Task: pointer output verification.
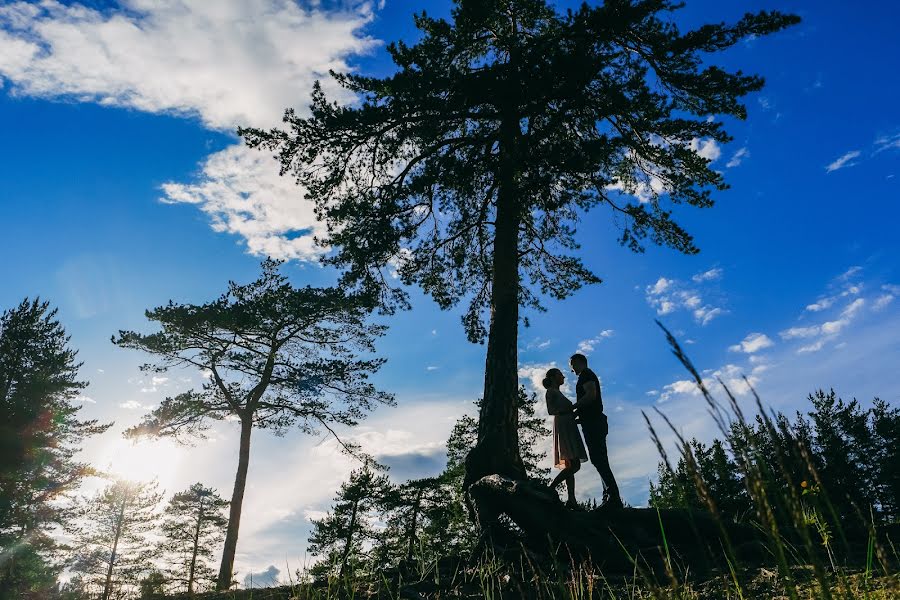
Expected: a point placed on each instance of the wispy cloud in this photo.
(670, 295)
(711, 275)
(887, 142)
(587, 346)
(135, 405)
(844, 161)
(738, 157)
(845, 290)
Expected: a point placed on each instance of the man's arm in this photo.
(589, 395)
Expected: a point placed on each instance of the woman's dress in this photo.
(567, 444)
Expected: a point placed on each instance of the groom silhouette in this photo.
(594, 426)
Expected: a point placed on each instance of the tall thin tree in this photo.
(277, 356)
(193, 524)
(112, 546)
(468, 168)
(339, 538)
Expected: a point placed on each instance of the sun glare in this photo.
(144, 460)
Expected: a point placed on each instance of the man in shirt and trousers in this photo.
(594, 426)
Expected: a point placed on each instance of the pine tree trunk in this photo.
(190, 586)
(349, 540)
(497, 449)
(226, 569)
(411, 539)
(107, 586)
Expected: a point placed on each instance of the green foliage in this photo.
(513, 115)
(112, 549)
(344, 536)
(39, 436)
(277, 356)
(852, 452)
(193, 524)
(152, 586)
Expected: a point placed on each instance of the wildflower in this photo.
(803, 484)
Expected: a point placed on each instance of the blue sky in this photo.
(123, 187)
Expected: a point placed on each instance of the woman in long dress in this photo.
(568, 448)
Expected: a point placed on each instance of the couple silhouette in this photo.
(587, 411)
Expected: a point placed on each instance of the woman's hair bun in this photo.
(547, 383)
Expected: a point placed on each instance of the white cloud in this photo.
(820, 305)
(85, 399)
(587, 346)
(730, 374)
(882, 301)
(661, 285)
(886, 142)
(706, 314)
(229, 62)
(311, 514)
(135, 405)
(853, 308)
(846, 160)
(242, 192)
(159, 380)
(814, 347)
(669, 295)
(820, 334)
(708, 149)
(431, 368)
(711, 275)
(738, 157)
(754, 342)
(799, 332)
(539, 344)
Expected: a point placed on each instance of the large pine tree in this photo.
(277, 357)
(468, 168)
(39, 436)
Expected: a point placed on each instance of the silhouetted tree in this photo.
(720, 473)
(277, 356)
(39, 436)
(404, 509)
(842, 443)
(152, 586)
(885, 430)
(852, 451)
(193, 524)
(341, 538)
(112, 548)
(467, 169)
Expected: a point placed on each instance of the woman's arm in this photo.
(557, 403)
